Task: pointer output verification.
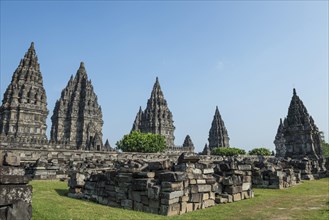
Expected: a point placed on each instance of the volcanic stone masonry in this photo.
(156, 118)
(218, 136)
(162, 187)
(77, 119)
(23, 112)
(15, 194)
(298, 136)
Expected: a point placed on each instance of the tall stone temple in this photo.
(188, 144)
(218, 136)
(77, 119)
(297, 135)
(23, 112)
(156, 118)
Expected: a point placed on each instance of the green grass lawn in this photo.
(309, 200)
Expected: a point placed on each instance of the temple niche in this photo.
(297, 135)
(218, 136)
(77, 119)
(23, 112)
(156, 118)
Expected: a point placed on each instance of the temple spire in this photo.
(297, 136)
(78, 103)
(156, 118)
(218, 136)
(25, 98)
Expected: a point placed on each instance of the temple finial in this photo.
(294, 91)
(82, 65)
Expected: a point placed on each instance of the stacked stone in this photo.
(59, 164)
(310, 169)
(15, 194)
(160, 187)
(275, 177)
(234, 178)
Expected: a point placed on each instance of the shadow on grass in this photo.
(62, 192)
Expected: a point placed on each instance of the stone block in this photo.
(208, 203)
(172, 195)
(145, 200)
(141, 184)
(201, 181)
(144, 175)
(244, 167)
(18, 210)
(153, 192)
(233, 189)
(208, 171)
(247, 179)
(189, 207)
(188, 158)
(154, 203)
(171, 186)
(184, 198)
(245, 195)
(196, 197)
(8, 179)
(170, 210)
(205, 196)
(169, 201)
(8, 170)
(159, 165)
(11, 159)
(200, 188)
(11, 193)
(236, 197)
(246, 186)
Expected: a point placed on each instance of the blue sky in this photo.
(245, 57)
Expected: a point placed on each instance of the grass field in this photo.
(309, 200)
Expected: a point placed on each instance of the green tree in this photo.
(324, 145)
(227, 151)
(142, 142)
(260, 151)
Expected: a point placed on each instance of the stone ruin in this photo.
(15, 194)
(166, 188)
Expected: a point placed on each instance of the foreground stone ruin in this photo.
(15, 194)
(162, 187)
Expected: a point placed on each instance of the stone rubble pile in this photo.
(15, 194)
(164, 188)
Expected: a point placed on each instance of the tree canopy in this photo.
(142, 142)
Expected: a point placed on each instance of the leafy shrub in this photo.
(228, 151)
(142, 142)
(260, 151)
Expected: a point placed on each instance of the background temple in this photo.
(218, 136)
(77, 118)
(156, 118)
(23, 112)
(298, 136)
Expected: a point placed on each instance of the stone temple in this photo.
(297, 135)
(156, 118)
(218, 136)
(23, 112)
(77, 119)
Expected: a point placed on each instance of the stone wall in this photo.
(166, 188)
(15, 194)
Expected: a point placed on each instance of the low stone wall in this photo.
(164, 188)
(15, 194)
